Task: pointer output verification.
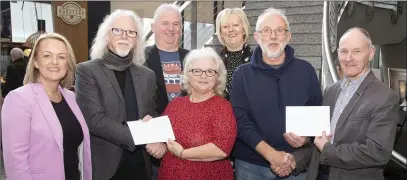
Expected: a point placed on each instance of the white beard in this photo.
(271, 54)
(122, 52)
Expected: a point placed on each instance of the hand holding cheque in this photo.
(306, 121)
(302, 122)
(157, 150)
(152, 132)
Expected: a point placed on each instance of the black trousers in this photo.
(132, 167)
(323, 173)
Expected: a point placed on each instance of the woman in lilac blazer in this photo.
(45, 136)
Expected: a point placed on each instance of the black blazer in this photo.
(14, 76)
(154, 63)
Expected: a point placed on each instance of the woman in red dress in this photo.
(203, 122)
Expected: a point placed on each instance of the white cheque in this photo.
(308, 120)
(153, 131)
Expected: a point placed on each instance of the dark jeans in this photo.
(323, 177)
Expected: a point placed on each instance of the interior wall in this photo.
(76, 34)
(393, 56)
(144, 9)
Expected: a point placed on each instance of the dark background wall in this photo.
(5, 19)
(97, 10)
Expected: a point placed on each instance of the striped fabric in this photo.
(348, 88)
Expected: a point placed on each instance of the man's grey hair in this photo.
(101, 41)
(17, 53)
(165, 8)
(204, 54)
(267, 13)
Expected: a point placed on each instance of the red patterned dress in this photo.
(196, 124)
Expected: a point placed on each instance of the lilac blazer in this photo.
(32, 136)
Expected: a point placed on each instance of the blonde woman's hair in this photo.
(224, 15)
(32, 73)
(204, 54)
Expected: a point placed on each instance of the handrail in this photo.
(400, 159)
(342, 9)
(181, 8)
(327, 44)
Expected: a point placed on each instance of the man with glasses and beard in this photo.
(262, 89)
(112, 89)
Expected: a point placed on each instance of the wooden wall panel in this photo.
(76, 34)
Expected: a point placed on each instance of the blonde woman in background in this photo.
(232, 29)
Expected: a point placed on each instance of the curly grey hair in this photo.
(204, 54)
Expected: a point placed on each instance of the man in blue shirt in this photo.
(165, 58)
(262, 89)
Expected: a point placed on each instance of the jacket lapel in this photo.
(112, 78)
(333, 97)
(355, 98)
(76, 111)
(49, 113)
(135, 74)
(182, 54)
(155, 65)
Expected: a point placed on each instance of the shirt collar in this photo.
(356, 81)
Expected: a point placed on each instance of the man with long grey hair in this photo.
(113, 88)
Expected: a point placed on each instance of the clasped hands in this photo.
(283, 163)
(157, 150)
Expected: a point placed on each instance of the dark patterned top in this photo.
(232, 60)
(196, 124)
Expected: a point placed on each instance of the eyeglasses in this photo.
(199, 72)
(119, 32)
(277, 32)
